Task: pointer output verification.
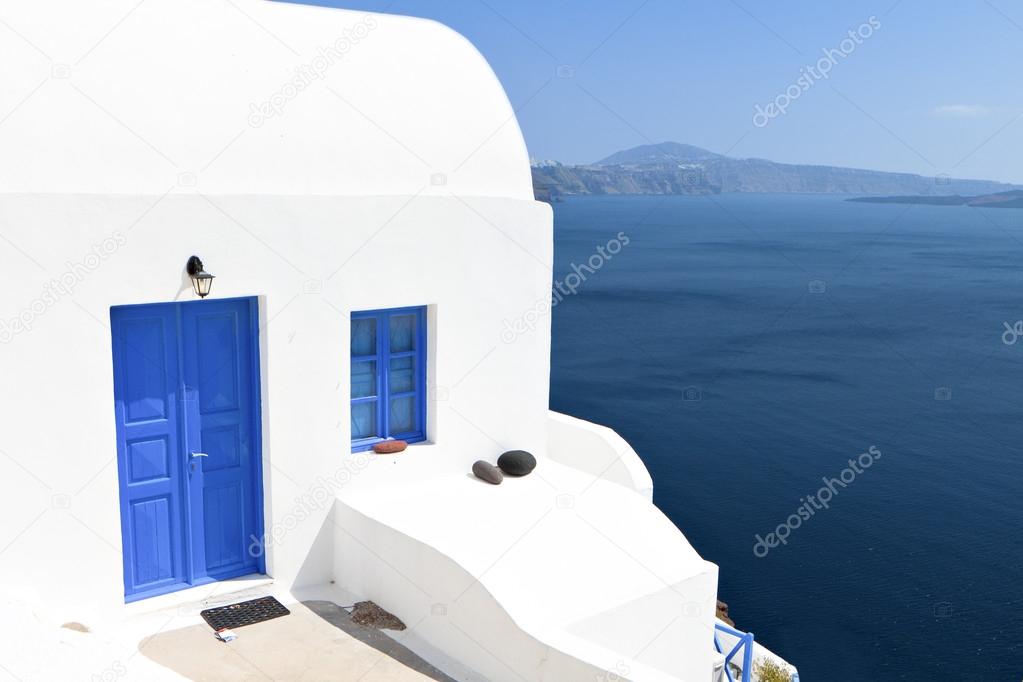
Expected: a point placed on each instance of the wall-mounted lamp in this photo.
(202, 281)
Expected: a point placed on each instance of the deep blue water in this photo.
(915, 571)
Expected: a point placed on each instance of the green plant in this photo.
(766, 670)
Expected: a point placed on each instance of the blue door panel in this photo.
(145, 387)
(225, 443)
(151, 537)
(186, 385)
(217, 373)
(148, 459)
(149, 378)
(219, 366)
(224, 527)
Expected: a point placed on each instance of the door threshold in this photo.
(192, 600)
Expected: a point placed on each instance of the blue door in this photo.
(186, 392)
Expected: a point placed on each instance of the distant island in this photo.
(1011, 199)
(674, 168)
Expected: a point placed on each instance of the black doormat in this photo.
(244, 613)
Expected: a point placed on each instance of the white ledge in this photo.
(597, 451)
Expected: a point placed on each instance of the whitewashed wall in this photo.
(61, 534)
(249, 97)
(323, 160)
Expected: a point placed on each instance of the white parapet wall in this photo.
(559, 575)
(451, 617)
(597, 451)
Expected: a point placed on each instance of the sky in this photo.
(925, 86)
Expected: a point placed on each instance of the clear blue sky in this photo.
(937, 88)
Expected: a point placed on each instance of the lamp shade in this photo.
(202, 281)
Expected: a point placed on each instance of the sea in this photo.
(759, 349)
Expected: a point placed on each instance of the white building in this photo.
(322, 164)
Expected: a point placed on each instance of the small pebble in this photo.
(390, 447)
(485, 471)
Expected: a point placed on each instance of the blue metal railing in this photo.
(744, 645)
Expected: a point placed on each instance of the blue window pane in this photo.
(403, 414)
(364, 420)
(402, 376)
(364, 379)
(386, 390)
(364, 337)
(403, 333)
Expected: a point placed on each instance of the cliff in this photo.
(673, 168)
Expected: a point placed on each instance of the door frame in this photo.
(256, 392)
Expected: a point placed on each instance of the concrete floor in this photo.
(316, 643)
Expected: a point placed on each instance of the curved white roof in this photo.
(248, 97)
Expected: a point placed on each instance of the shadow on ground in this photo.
(318, 641)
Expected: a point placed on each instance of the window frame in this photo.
(383, 357)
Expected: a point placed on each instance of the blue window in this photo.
(388, 376)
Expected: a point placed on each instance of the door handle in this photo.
(199, 454)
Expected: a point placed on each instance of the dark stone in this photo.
(485, 471)
(516, 462)
(369, 615)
